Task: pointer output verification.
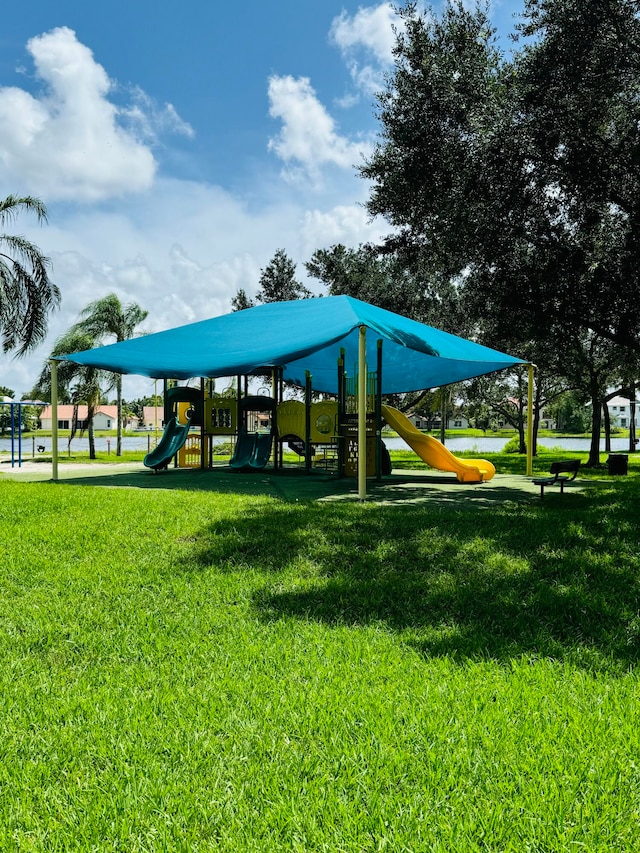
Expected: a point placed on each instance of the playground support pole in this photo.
(341, 414)
(54, 419)
(379, 413)
(307, 422)
(13, 433)
(276, 446)
(362, 413)
(203, 437)
(531, 370)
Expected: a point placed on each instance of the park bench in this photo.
(560, 475)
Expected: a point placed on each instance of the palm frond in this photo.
(27, 294)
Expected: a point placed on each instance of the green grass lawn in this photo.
(194, 671)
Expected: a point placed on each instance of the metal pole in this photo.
(13, 434)
(54, 419)
(531, 370)
(19, 435)
(203, 436)
(307, 421)
(275, 444)
(379, 413)
(341, 414)
(362, 413)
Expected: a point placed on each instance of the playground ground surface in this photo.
(292, 484)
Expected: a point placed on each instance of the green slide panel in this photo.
(243, 452)
(261, 451)
(173, 438)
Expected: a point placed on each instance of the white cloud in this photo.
(371, 28)
(308, 136)
(68, 141)
(366, 42)
(181, 251)
(347, 224)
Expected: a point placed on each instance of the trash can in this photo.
(617, 463)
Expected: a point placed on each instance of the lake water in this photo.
(495, 445)
(145, 441)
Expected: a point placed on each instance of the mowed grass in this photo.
(193, 671)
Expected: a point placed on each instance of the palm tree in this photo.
(82, 383)
(27, 295)
(105, 318)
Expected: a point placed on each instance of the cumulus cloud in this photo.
(69, 141)
(371, 28)
(308, 137)
(366, 42)
(347, 224)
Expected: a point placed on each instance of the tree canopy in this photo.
(519, 174)
(278, 283)
(108, 318)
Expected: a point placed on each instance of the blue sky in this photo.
(177, 146)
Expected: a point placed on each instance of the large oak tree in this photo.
(519, 174)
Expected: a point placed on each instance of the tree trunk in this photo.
(607, 427)
(534, 432)
(536, 412)
(92, 439)
(91, 411)
(596, 422)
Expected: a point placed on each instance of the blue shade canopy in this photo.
(302, 335)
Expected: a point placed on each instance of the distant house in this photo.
(457, 421)
(106, 417)
(620, 412)
(152, 417)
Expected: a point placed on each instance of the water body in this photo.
(146, 441)
(483, 444)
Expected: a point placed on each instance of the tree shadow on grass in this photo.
(556, 578)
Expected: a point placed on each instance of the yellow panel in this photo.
(221, 416)
(183, 408)
(290, 418)
(324, 421)
(189, 453)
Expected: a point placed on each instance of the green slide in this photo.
(173, 438)
(252, 451)
(261, 450)
(243, 452)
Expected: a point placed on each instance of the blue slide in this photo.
(174, 436)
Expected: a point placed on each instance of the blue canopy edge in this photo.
(300, 336)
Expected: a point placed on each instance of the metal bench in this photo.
(558, 471)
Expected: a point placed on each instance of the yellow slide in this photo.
(434, 453)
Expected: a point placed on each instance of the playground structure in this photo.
(295, 340)
(322, 433)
